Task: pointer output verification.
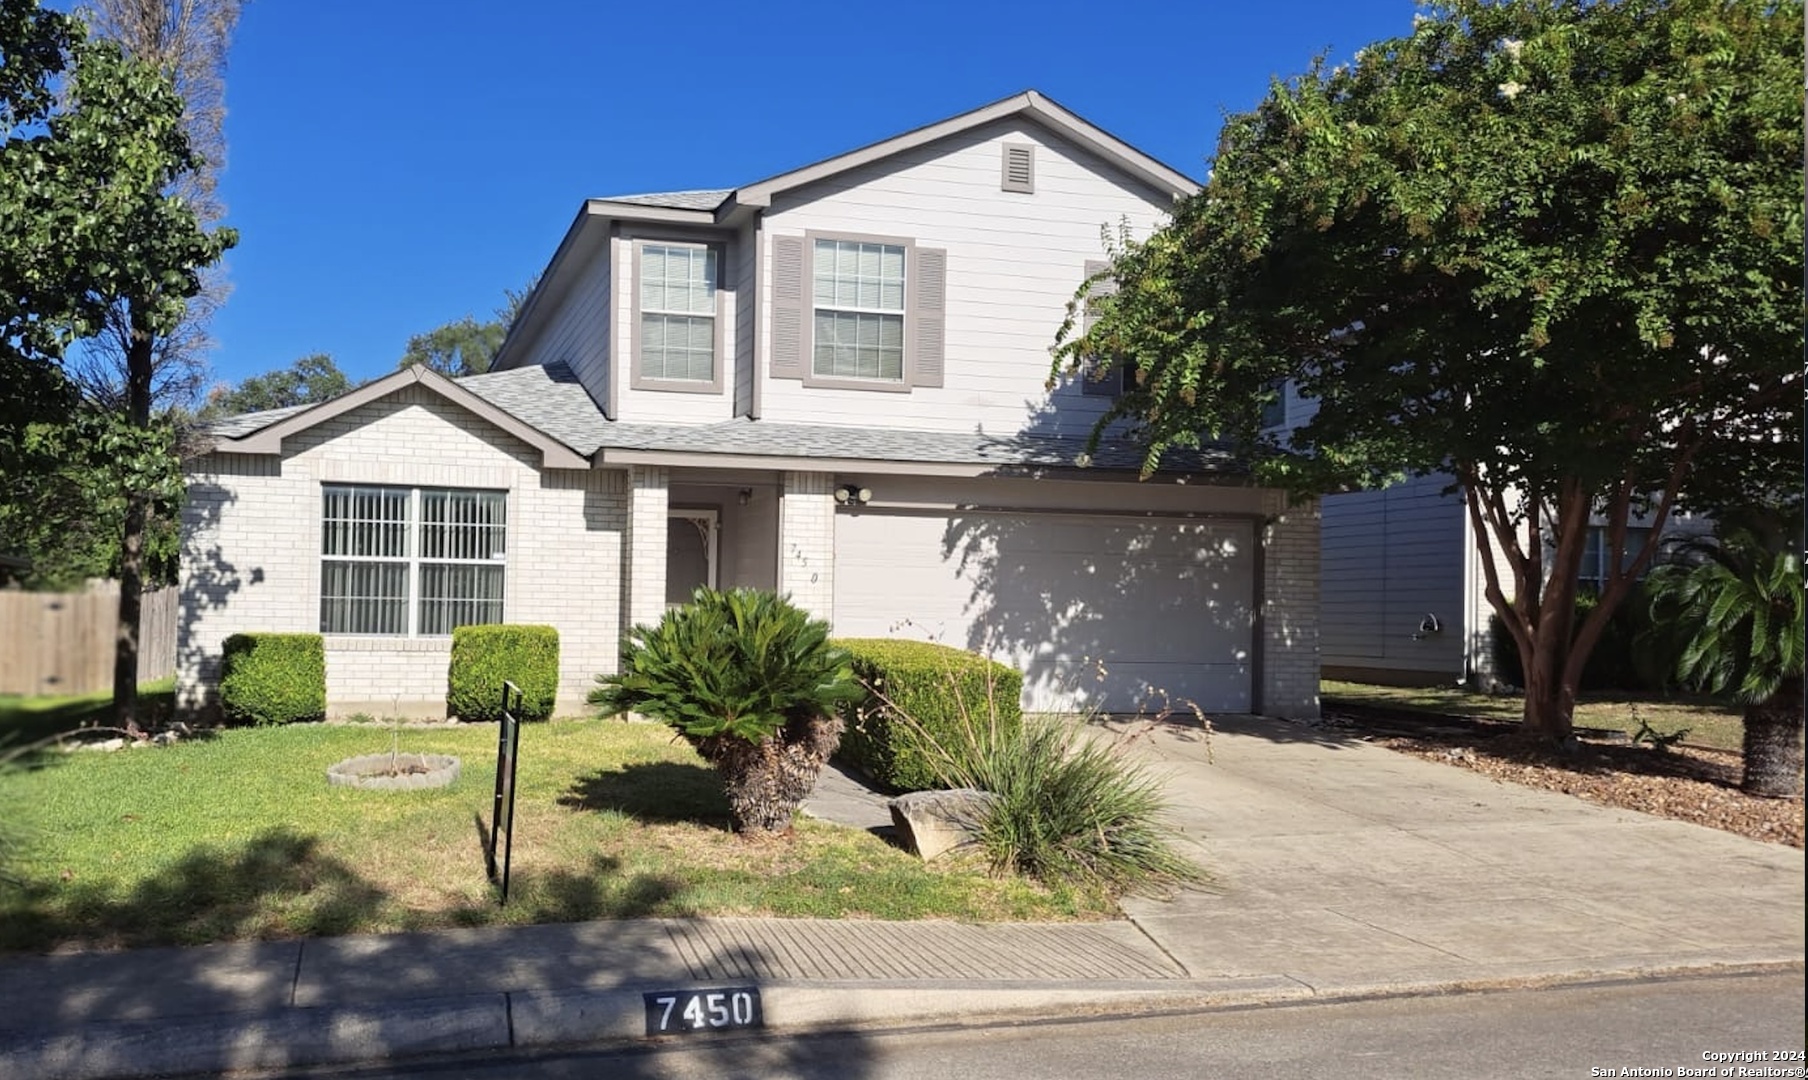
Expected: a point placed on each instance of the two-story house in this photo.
(834, 383)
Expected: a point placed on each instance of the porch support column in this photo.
(806, 542)
(648, 501)
(1289, 598)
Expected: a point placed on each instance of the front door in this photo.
(690, 554)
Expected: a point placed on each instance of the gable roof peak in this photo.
(1032, 103)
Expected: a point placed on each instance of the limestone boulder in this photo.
(934, 823)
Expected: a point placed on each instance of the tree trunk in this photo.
(139, 362)
(1550, 698)
(1773, 743)
(766, 780)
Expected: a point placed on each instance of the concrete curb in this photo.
(336, 1035)
(379, 1031)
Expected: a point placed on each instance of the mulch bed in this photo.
(1685, 783)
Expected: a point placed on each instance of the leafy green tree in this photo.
(308, 381)
(1552, 248)
(750, 681)
(1737, 604)
(93, 232)
(187, 41)
(466, 346)
(463, 347)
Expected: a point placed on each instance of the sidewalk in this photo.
(1341, 870)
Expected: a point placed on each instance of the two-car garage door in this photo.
(1093, 609)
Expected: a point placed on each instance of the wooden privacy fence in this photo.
(62, 643)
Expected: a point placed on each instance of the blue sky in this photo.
(393, 166)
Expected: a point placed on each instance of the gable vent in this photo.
(1019, 168)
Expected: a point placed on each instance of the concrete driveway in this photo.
(1353, 868)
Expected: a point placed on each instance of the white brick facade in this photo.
(252, 544)
(806, 542)
(647, 522)
(1290, 608)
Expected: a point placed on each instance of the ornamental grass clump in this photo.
(1071, 807)
(753, 683)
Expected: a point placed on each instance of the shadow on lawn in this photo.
(210, 894)
(25, 721)
(656, 791)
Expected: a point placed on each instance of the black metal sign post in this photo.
(502, 813)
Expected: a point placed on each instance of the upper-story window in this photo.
(410, 561)
(858, 301)
(858, 312)
(676, 341)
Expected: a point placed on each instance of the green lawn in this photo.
(239, 836)
(28, 719)
(1709, 722)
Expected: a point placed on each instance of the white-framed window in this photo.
(857, 291)
(410, 562)
(1597, 554)
(677, 302)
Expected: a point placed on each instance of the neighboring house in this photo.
(1403, 593)
(830, 383)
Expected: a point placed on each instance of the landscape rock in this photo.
(934, 823)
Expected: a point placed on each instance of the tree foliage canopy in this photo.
(92, 145)
(462, 347)
(308, 381)
(1551, 247)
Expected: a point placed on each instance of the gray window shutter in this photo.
(928, 316)
(788, 335)
(1113, 383)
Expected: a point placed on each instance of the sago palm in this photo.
(753, 683)
(1736, 605)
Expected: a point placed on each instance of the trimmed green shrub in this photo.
(484, 656)
(960, 699)
(273, 678)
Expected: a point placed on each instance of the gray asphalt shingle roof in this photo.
(707, 199)
(552, 400)
(237, 427)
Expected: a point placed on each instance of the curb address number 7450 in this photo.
(682, 1012)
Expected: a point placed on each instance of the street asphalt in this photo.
(1340, 870)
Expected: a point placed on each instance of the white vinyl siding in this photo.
(574, 329)
(410, 561)
(1011, 262)
(858, 295)
(678, 312)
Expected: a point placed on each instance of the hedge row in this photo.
(956, 698)
(268, 678)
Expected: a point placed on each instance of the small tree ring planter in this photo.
(394, 772)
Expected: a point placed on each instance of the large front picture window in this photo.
(410, 561)
(858, 300)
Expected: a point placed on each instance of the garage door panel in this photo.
(1155, 605)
